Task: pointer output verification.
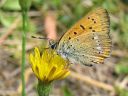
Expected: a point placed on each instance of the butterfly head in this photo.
(52, 44)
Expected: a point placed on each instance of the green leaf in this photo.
(5, 19)
(11, 5)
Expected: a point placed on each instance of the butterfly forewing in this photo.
(88, 41)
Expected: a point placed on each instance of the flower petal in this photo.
(49, 66)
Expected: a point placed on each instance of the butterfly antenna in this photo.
(40, 38)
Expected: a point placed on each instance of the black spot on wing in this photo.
(93, 31)
(94, 21)
(82, 27)
(75, 33)
(90, 27)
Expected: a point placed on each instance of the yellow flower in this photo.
(49, 66)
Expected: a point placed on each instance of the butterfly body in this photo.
(88, 42)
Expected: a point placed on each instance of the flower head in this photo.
(48, 66)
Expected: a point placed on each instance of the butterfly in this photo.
(88, 42)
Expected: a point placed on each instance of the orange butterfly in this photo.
(88, 42)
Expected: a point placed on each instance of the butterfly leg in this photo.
(83, 63)
(89, 65)
(68, 63)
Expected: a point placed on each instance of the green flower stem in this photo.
(44, 88)
(25, 5)
(25, 29)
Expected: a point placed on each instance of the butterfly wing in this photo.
(88, 41)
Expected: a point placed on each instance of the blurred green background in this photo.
(67, 13)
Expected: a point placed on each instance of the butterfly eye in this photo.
(54, 46)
